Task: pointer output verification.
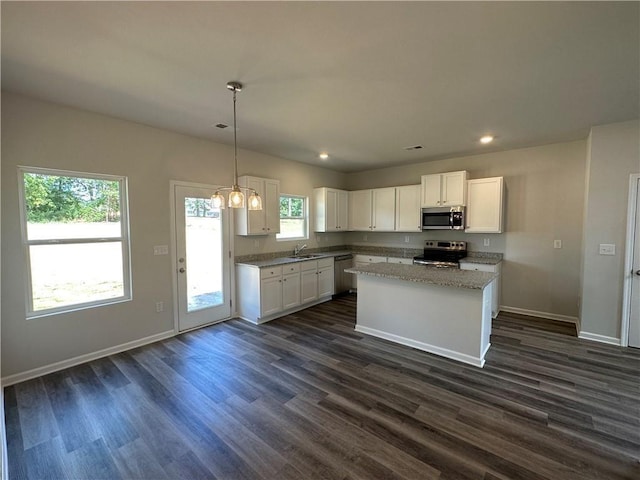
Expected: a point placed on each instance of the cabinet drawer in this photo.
(480, 267)
(270, 272)
(325, 262)
(369, 259)
(310, 265)
(290, 268)
(403, 261)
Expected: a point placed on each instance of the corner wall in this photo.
(614, 154)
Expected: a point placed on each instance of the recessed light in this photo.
(324, 155)
(486, 139)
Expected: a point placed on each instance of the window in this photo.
(293, 218)
(75, 234)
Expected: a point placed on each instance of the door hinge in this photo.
(229, 253)
(231, 303)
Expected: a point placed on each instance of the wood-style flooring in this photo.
(307, 397)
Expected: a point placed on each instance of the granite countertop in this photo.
(486, 258)
(446, 277)
(274, 262)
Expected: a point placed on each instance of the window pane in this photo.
(64, 275)
(61, 207)
(203, 232)
(292, 228)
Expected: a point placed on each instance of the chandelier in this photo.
(236, 196)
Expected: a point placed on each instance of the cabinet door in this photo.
(331, 209)
(271, 206)
(325, 282)
(408, 209)
(453, 188)
(484, 209)
(290, 290)
(402, 261)
(309, 285)
(342, 215)
(255, 218)
(383, 209)
(431, 190)
(270, 296)
(360, 210)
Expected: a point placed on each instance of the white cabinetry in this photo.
(330, 209)
(485, 205)
(268, 293)
(408, 208)
(402, 261)
(372, 210)
(260, 222)
(483, 267)
(444, 189)
(362, 261)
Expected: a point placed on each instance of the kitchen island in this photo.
(441, 311)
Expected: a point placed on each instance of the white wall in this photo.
(40, 134)
(544, 202)
(614, 154)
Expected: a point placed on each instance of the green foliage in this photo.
(291, 207)
(52, 198)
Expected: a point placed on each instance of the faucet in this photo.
(298, 249)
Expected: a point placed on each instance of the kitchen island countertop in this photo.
(446, 277)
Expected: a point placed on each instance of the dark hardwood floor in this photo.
(306, 397)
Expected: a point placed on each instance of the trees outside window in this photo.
(293, 218)
(75, 232)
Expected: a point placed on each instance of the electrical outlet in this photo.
(256, 243)
(364, 238)
(159, 307)
(557, 244)
(406, 239)
(487, 242)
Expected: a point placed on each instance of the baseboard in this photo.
(3, 438)
(443, 352)
(599, 338)
(71, 362)
(536, 313)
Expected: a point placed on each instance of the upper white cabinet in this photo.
(444, 189)
(485, 205)
(331, 209)
(408, 208)
(267, 220)
(372, 210)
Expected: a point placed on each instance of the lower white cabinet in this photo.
(402, 261)
(483, 267)
(271, 292)
(360, 260)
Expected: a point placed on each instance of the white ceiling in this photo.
(361, 80)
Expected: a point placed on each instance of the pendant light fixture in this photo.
(236, 197)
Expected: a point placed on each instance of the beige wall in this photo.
(544, 202)
(41, 134)
(614, 154)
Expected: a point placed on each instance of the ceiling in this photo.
(360, 80)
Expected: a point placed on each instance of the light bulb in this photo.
(486, 139)
(255, 202)
(236, 199)
(217, 201)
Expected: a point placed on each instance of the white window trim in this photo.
(124, 239)
(306, 218)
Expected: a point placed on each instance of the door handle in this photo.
(181, 270)
(638, 272)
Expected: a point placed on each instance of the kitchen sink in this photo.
(307, 256)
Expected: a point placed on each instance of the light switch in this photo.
(607, 249)
(557, 244)
(487, 242)
(161, 250)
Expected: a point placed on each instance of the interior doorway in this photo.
(631, 307)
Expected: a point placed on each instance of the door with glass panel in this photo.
(202, 258)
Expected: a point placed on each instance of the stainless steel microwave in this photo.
(443, 218)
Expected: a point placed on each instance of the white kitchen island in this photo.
(441, 311)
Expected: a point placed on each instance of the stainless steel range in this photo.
(442, 254)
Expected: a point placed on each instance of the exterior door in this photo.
(202, 258)
(634, 311)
